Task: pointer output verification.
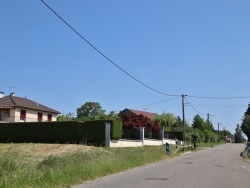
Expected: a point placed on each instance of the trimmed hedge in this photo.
(41, 132)
(94, 131)
(90, 132)
(116, 129)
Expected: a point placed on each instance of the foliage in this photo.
(90, 110)
(238, 135)
(94, 131)
(66, 117)
(210, 136)
(198, 122)
(194, 132)
(245, 126)
(166, 121)
(178, 123)
(134, 122)
(208, 125)
(112, 115)
(40, 132)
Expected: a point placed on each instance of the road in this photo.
(220, 167)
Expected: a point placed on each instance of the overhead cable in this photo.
(102, 54)
(194, 107)
(156, 102)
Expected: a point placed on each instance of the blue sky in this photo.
(196, 48)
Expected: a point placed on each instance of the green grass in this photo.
(58, 165)
(22, 169)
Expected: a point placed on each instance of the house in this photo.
(150, 115)
(17, 109)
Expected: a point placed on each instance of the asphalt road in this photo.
(218, 167)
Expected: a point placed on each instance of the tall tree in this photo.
(90, 110)
(245, 126)
(238, 134)
(198, 122)
(208, 125)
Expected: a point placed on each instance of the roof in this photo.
(11, 101)
(138, 112)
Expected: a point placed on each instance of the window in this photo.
(23, 115)
(49, 117)
(6, 112)
(40, 116)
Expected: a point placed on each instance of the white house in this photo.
(17, 109)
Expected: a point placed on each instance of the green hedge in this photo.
(90, 132)
(94, 131)
(116, 129)
(41, 132)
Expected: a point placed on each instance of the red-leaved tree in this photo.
(134, 122)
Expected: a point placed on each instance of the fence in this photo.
(138, 139)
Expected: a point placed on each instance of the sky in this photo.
(195, 48)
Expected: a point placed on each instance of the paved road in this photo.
(218, 167)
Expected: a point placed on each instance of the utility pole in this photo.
(208, 117)
(183, 119)
(218, 131)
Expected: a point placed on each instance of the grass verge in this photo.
(32, 165)
(64, 165)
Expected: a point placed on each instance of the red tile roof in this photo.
(138, 112)
(13, 101)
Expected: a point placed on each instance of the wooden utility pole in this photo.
(218, 132)
(183, 120)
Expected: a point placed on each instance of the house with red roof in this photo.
(18, 109)
(150, 115)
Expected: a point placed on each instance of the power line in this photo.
(117, 66)
(194, 107)
(219, 97)
(102, 54)
(156, 102)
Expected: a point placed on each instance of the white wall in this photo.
(137, 143)
(32, 115)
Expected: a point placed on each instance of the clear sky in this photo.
(196, 48)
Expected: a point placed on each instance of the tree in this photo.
(208, 125)
(166, 121)
(62, 118)
(90, 110)
(134, 122)
(66, 117)
(238, 134)
(198, 122)
(245, 126)
(112, 115)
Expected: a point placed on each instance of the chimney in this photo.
(1, 94)
(12, 94)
